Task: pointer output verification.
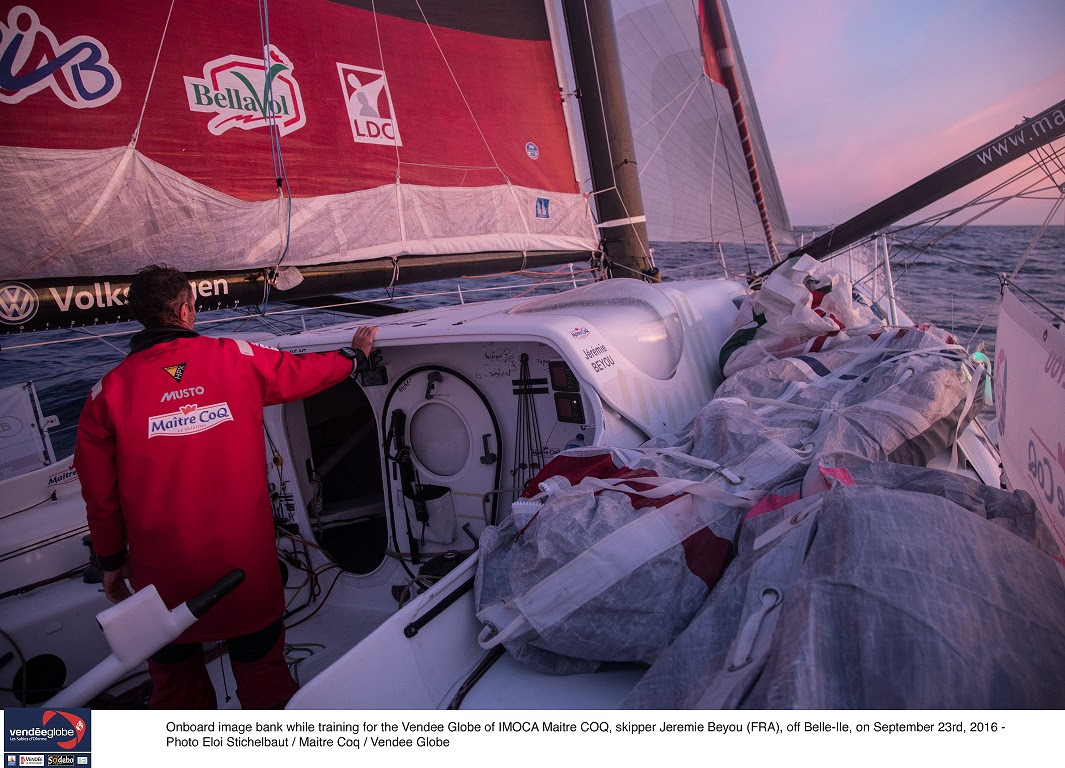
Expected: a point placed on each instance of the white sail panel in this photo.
(694, 177)
(128, 210)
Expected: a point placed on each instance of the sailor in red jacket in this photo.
(172, 461)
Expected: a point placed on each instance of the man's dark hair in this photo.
(156, 294)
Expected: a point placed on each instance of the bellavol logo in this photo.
(46, 730)
(370, 113)
(242, 93)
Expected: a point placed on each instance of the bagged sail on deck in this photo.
(556, 591)
(900, 588)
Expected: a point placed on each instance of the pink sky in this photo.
(859, 99)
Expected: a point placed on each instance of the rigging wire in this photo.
(1020, 263)
(119, 172)
(381, 58)
(151, 78)
(458, 87)
(691, 88)
(1045, 159)
(90, 334)
(1057, 315)
(284, 189)
(984, 199)
(395, 146)
(1038, 235)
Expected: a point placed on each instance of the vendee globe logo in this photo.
(46, 730)
(242, 92)
(18, 303)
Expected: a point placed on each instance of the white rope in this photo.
(454, 78)
(381, 58)
(151, 80)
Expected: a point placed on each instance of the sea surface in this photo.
(952, 280)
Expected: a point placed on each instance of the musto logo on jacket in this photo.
(188, 420)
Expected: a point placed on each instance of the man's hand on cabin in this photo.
(363, 338)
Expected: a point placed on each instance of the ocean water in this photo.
(951, 279)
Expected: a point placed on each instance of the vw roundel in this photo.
(18, 303)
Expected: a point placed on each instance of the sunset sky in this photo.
(859, 98)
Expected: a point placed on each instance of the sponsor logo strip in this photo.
(241, 92)
(18, 303)
(180, 394)
(188, 420)
(370, 113)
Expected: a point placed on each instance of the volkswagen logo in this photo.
(18, 303)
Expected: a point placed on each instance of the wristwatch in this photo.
(357, 357)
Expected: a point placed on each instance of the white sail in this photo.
(692, 168)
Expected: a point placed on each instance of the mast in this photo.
(720, 63)
(608, 132)
(1026, 137)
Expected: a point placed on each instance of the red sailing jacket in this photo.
(172, 462)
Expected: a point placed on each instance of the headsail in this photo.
(237, 137)
(695, 179)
